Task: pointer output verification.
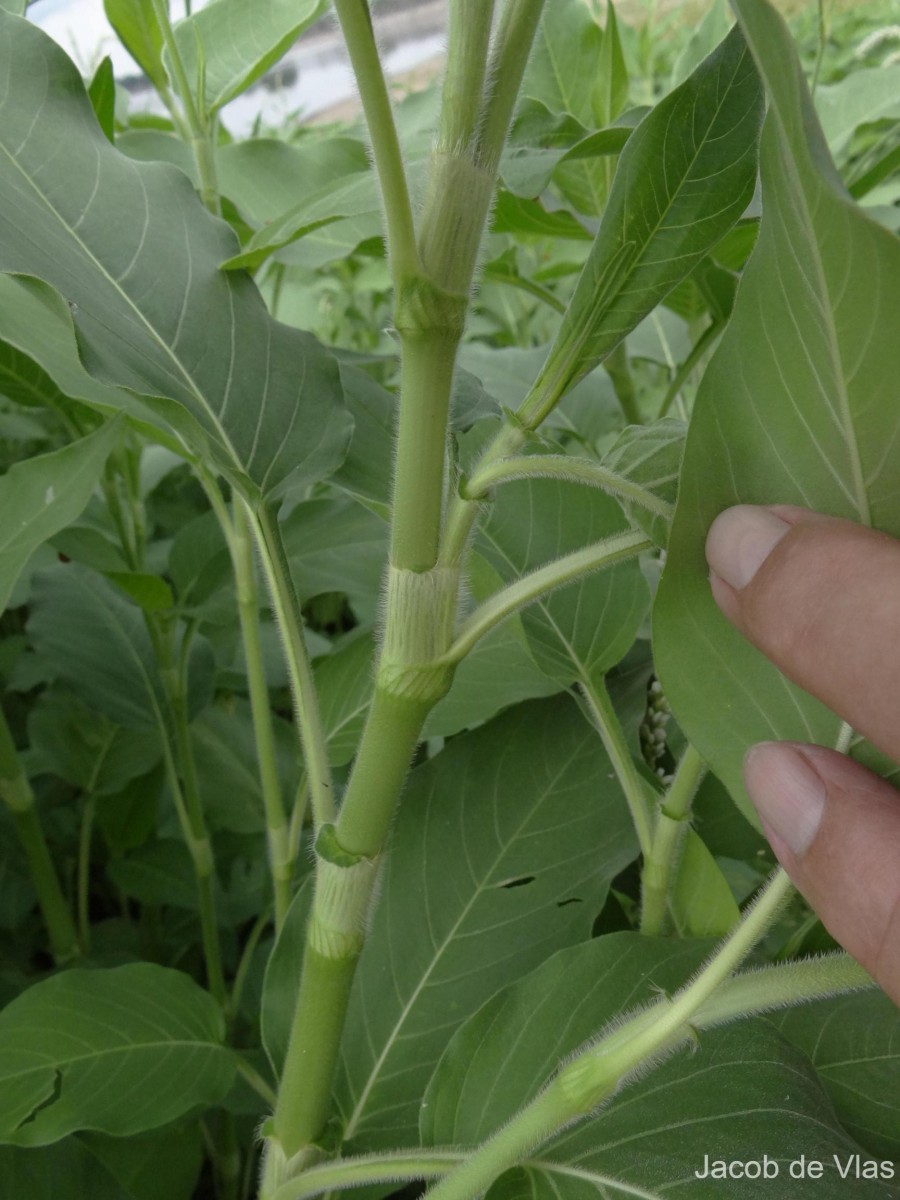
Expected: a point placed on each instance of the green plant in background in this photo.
(389, 601)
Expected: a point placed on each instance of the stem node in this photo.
(421, 613)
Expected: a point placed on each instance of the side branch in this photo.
(537, 583)
(561, 466)
(286, 606)
(356, 25)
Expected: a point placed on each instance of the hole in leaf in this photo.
(47, 1101)
(519, 882)
(571, 900)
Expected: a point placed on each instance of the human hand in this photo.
(820, 597)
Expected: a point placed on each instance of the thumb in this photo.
(835, 828)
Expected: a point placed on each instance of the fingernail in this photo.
(786, 792)
(740, 540)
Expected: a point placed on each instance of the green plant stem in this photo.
(57, 917)
(246, 959)
(389, 739)
(236, 529)
(16, 793)
(561, 466)
(432, 283)
(468, 36)
(186, 794)
(281, 862)
(286, 607)
(706, 339)
(509, 58)
(201, 129)
(607, 724)
(228, 1159)
(463, 512)
(592, 1076)
(109, 483)
(89, 813)
(822, 42)
(255, 1080)
(532, 1126)
(396, 1167)
(356, 25)
(766, 988)
(200, 850)
(525, 285)
(619, 370)
(84, 870)
(420, 461)
(539, 582)
(668, 835)
(302, 1110)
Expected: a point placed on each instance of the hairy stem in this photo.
(420, 462)
(397, 1167)
(592, 1076)
(561, 466)
(356, 25)
(537, 583)
(606, 722)
(509, 58)
(619, 370)
(200, 128)
(432, 281)
(768, 988)
(532, 1126)
(468, 35)
(671, 826)
(463, 512)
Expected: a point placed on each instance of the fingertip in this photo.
(835, 828)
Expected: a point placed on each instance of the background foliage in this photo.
(508, 906)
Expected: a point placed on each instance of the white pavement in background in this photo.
(315, 72)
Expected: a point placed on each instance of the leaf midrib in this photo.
(142, 320)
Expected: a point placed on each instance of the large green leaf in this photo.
(160, 1165)
(562, 71)
(66, 1169)
(336, 545)
(138, 30)
(39, 359)
(862, 97)
(119, 1051)
(497, 672)
(577, 70)
(651, 456)
(585, 628)
(73, 742)
(266, 176)
(353, 197)
(854, 1044)
(798, 406)
(506, 845)
(42, 495)
(684, 178)
(239, 42)
(226, 756)
(97, 642)
(744, 1093)
(152, 311)
(160, 873)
